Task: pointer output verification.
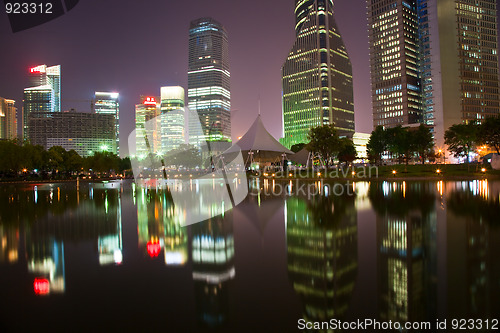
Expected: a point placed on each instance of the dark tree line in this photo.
(16, 158)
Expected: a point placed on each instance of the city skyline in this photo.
(256, 56)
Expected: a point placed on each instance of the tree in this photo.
(461, 139)
(489, 133)
(324, 140)
(185, 155)
(400, 142)
(377, 144)
(347, 151)
(422, 139)
(297, 147)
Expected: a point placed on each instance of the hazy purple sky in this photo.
(135, 47)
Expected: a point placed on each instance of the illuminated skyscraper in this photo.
(208, 81)
(459, 62)
(107, 103)
(44, 93)
(433, 63)
(396, 88)
(317, 75)
(172, 118)
(146, 122)
(8, 119)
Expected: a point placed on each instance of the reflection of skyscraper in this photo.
(46, 260)
(172, 118)
(9, 244)
(317, 75)
(208, 81)
(161, 226)
(473, 238)
(107, 103)
(213, 268)
(111, 246)
(406, 263)
(322, 254)
(44, 94)
(146, 127)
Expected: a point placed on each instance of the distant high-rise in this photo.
(147, 126)
(317, 75)
(395, 82)
(172, 118)
(208, 81)
(44, 93)
(8, 119)
(84, 132)
(107, 103)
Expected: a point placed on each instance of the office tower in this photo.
(316, 76)
(172, 118)
(84, 132)
(8, 119)
(208, 81)
(107, 103)
(394, 49)
(459, 62)
(147, 129)
(454, 62)
(42, 75)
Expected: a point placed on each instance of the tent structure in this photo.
(259, 145)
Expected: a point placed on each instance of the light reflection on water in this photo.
(433, 254)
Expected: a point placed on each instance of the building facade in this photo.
(83, 132)
(8, 119)
(394, 50)
(44, 93)
(459, 62)
(209, 82)
(147, 130)
(448, 47)
(317, 75)
(172, 118)
(108, 103)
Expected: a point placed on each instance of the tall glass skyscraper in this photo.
(44, 93)
(433, 61)
(317, 75)
(107, 103)
(459, 62)
(395, 81)
(208, 81)
(172, 118)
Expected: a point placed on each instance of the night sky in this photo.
(134, 48)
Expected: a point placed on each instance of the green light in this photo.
(104, 148)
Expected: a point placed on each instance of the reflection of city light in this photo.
(41, 286)
(153, 248)
(440, 187)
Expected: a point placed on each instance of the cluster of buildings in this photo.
(432, 62)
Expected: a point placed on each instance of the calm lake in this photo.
(116, 257)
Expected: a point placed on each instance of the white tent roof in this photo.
(258, 138)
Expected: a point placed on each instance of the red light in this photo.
(154, 249)
(150, 101)
(38, 69)
(41, 286)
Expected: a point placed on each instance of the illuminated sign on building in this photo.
(150, 101)
(38, 69)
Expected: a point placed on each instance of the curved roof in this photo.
(257, 138)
